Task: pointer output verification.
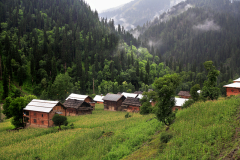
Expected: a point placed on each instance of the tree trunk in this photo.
(0, 67)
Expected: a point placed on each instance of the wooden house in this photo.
(232, 89)
(113, 102)
(84, 98)
(77, 107)
(236, 80)
(153, 103)
(179, 103)
(39, 113)
(131, 104)
(98, 99)
(184, 94)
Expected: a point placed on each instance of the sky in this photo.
(101, 5)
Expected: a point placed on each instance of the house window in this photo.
(35, 114)
(42, 122)
(27, 113)
(42, 115)
(34, 121)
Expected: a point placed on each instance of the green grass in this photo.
(87, 140)
(203, 131)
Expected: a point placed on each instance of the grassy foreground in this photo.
(204, 131)
(102, 135)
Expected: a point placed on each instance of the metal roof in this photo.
(199, 91)
(112, 97)
(41, 105)
(77, 96)
(180, 101)
(237, 80)
(140, 96)
(233, 85)
(129, 95)
(98, 98)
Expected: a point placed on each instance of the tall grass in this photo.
(203, 130)
(86, 141)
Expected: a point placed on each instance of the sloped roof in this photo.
(129, 95)
(233, 85)
(132, 101)
(237, 80)
(98, 98)
(112, 97)
(199, 91)
(73, 103)
(180, 101)
(140, 96)
(41, 105)
(184, 93)
(138, 92)
(77, 96)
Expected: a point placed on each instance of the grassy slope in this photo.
(203, 131)
(86, 141)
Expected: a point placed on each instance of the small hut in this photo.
(77, 107)
(236, 80)
(179, 103)
(113, 102)
(184, 94)
(131, 105)
(39, 113)
(84, 98)
(232, 89)
(98, 99)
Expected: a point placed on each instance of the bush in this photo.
(188, 103)
(59, 120)
(165, 137)
(127, 115)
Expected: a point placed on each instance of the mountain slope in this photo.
(196, 31)
(137, 12)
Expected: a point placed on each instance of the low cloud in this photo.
(136, 34)
(208, 25)
(126, 24)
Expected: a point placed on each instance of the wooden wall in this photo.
(233, 91)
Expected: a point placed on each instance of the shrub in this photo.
(188, 103)
(127, 115)
(165, 137)
(59, 120)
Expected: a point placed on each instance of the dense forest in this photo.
(57, 47)
(194, 32)
(53, 48)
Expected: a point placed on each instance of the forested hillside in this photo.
(196, 31)
(53, 48)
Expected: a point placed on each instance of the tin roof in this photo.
(132, 101)
(233, 85)
(98, 98)
(180, 101)
(237, 80)
(77, 96)
(129, 95)
(41, 105)
(140, 96)
(112, 97)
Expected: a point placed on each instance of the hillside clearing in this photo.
(90, 139)
(207, 130)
